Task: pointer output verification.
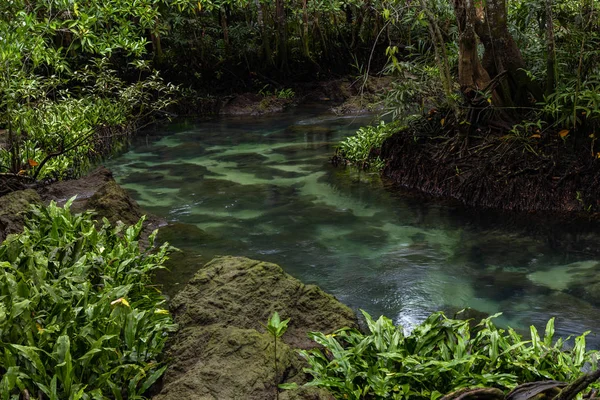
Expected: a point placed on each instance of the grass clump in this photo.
(440, 356)
(362, 149)
(78, 316)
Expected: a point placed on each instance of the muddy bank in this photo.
(346, 96)
(222, 351)
(489, 171)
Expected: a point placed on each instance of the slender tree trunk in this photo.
(157, 48)
(551, 70)
(15, 159)
(281, 35)
(224, 27)
(305, 36)
(440, 50)
(266, 45)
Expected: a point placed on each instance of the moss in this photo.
(222, 350)
(13, 207)
(113, 202)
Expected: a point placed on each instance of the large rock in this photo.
(13, 208)
(222, 351)
(96, 191)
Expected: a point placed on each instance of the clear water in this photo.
(264, 188)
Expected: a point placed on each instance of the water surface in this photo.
(264, 188)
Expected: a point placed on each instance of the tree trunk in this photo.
(266, 45)
(502, 69)
(305, 36)
(472, 77)
(440, 50)
(502, 56)
(223, 18)
(157, 48)
(551, 67)
(281, 35)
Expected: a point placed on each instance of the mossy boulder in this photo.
(113, 202)
(13, 207)
(97, 191)
(222, 351)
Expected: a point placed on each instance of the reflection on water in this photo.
(263, 188)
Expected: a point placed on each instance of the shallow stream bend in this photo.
(262, 187)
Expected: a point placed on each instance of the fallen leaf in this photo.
(537, 136)
(442, 121)
(563, 133)
(33, 163)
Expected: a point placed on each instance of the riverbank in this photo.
(493, 169)
(345, 96)
(221, 349)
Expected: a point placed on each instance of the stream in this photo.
(263, 187)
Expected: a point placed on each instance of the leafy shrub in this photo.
(438, 357)
(78, 316)
(359, 149)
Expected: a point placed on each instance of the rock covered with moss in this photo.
(13, 207)
(222, 350)
(96, 191)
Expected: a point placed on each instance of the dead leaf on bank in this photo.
(537, 136)
(33, 163)
(563, 133)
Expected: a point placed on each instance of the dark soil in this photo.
(345, 95)
(490, 169)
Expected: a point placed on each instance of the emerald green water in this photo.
(264, 188)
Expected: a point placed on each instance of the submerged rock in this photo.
(222, 351)
(13, 207)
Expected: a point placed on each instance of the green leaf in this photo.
(288, 386)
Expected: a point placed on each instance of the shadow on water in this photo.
(263, 188)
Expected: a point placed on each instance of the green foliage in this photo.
(438, 357)
(281, 93)
(276, 327)
(78, 316)
(59, 97)
(359, 149)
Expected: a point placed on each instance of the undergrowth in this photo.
(362, 149)
(438, 357)
(78, 316)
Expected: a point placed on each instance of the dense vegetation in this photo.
(73, 77)
(440, 356)
(79, 318)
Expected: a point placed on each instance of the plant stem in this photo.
(275, 359)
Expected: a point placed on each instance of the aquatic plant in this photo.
(439, 356)
(78, 316)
